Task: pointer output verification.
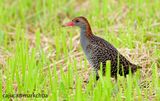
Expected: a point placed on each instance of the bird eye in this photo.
(77, 21)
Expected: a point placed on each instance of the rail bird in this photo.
(98, 51)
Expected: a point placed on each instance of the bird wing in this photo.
(108, 52)
(105, 51)
(104, 45)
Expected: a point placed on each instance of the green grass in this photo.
(38, 55)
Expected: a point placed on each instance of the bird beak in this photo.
(68, 24)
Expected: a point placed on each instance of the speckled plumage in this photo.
(100, 51)
(97, 51)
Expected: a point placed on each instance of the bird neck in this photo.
(85, 36)
(86, 31)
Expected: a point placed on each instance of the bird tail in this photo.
(135, 67)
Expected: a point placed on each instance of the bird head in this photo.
(78, 21)
(81, 22)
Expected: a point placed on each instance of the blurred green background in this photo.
(38, 55)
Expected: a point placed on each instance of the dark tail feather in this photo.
(139, 67)
(135, 67)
